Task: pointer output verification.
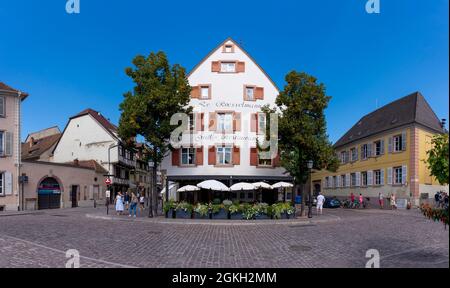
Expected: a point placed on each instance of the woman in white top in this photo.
(119, 204)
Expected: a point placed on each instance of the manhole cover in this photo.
(300, 248)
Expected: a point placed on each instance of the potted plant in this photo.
(262, 211)
(235, 211)
(201, 211)
(227, 204)
(277, 210)
(184, 210)
(170, 208)
(219, 212)
(249, 212)
(289, 210)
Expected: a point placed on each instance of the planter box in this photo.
(171, 214)
(222, 214)
(236, 216)
(198, 216)
(262, 217)
(183, 215)
(287, 216)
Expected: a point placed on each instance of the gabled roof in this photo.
(6, 88)
(111, 128)
(243, 50)
(90, 164)
(407, 110)
(33, 150)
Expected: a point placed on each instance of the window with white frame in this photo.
(398, 140)
(354, 154)
(204, 92)
(224, 155)
(365, 151)
(2, 106)
(228, 67)
(225, 122)
(264, 161)
(353, 179)
(262, 123)
(377, 177)
(398, 174)
(343, 157)
(335, 182)
(250, 93)
(363, 178)
(378, 147)
(188, 156)
(343, 182)
(228, 48)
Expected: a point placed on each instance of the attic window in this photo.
(228, 48)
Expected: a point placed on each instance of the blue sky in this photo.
(70, 62)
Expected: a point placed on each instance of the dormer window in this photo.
(228, 67)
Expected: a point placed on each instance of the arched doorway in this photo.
(49, 194)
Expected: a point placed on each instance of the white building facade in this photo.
(228, 91)
(90, 136)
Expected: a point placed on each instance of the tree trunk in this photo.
(155, 190)
(302, 209)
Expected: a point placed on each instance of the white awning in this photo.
(262, 185)
(188, 188)
(242, 186)
(213, 185)
(282, 185)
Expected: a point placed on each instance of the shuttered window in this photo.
(398, 175)
(2, 106)
(2, 143)
(6, 143)
(188, 156)
(224, 155)
(2, 183)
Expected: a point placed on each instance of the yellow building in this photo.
(384, 152)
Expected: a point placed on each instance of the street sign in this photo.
(108, 181)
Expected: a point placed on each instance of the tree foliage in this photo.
(160, 91)
(437, 160)
(302, 126)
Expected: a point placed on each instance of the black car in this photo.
(331, 203)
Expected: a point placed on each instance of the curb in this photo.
(22, 214)
(218, 222)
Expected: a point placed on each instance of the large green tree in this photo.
(161, 90)
(302, 128)
(437, 160)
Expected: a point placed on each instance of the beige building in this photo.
(10, 103)
(53, 185)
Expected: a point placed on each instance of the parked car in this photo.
(332, 203)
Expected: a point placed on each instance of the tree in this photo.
(437, 160)
(302, 128)
(160, 91)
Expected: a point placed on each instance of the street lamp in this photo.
(310, 165)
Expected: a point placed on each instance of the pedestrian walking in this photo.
(352, 200)
(393, 203)
(381, 200)
(142, 203)
(127, 200)
(133, 205)
(119, 203)
(361, 200)
(319, 204)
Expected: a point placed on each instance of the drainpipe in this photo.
(20, 199)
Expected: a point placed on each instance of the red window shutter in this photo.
(200, 121)
(253, 157)
(276, 160)
(237, 121)
(212, 155)
(240, 67)
(215, 66)
(236, 156)
(199, 156)
(259, 93)
(176, 157)
(212, 121)
(195, 92)
(254, 122)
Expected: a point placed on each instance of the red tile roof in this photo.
(111, 128)
(34, 150)
(91, 164)
(5, 87)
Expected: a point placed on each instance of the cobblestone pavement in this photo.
(403, 238)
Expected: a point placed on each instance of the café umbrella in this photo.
(213, 185)
(283, 185)
(188, 188)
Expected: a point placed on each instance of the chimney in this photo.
(76, 162)
(31, 142)
(443, 122)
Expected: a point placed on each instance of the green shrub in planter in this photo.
(235, 211)
(201, 211)
(170, 208)
(184, 210)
